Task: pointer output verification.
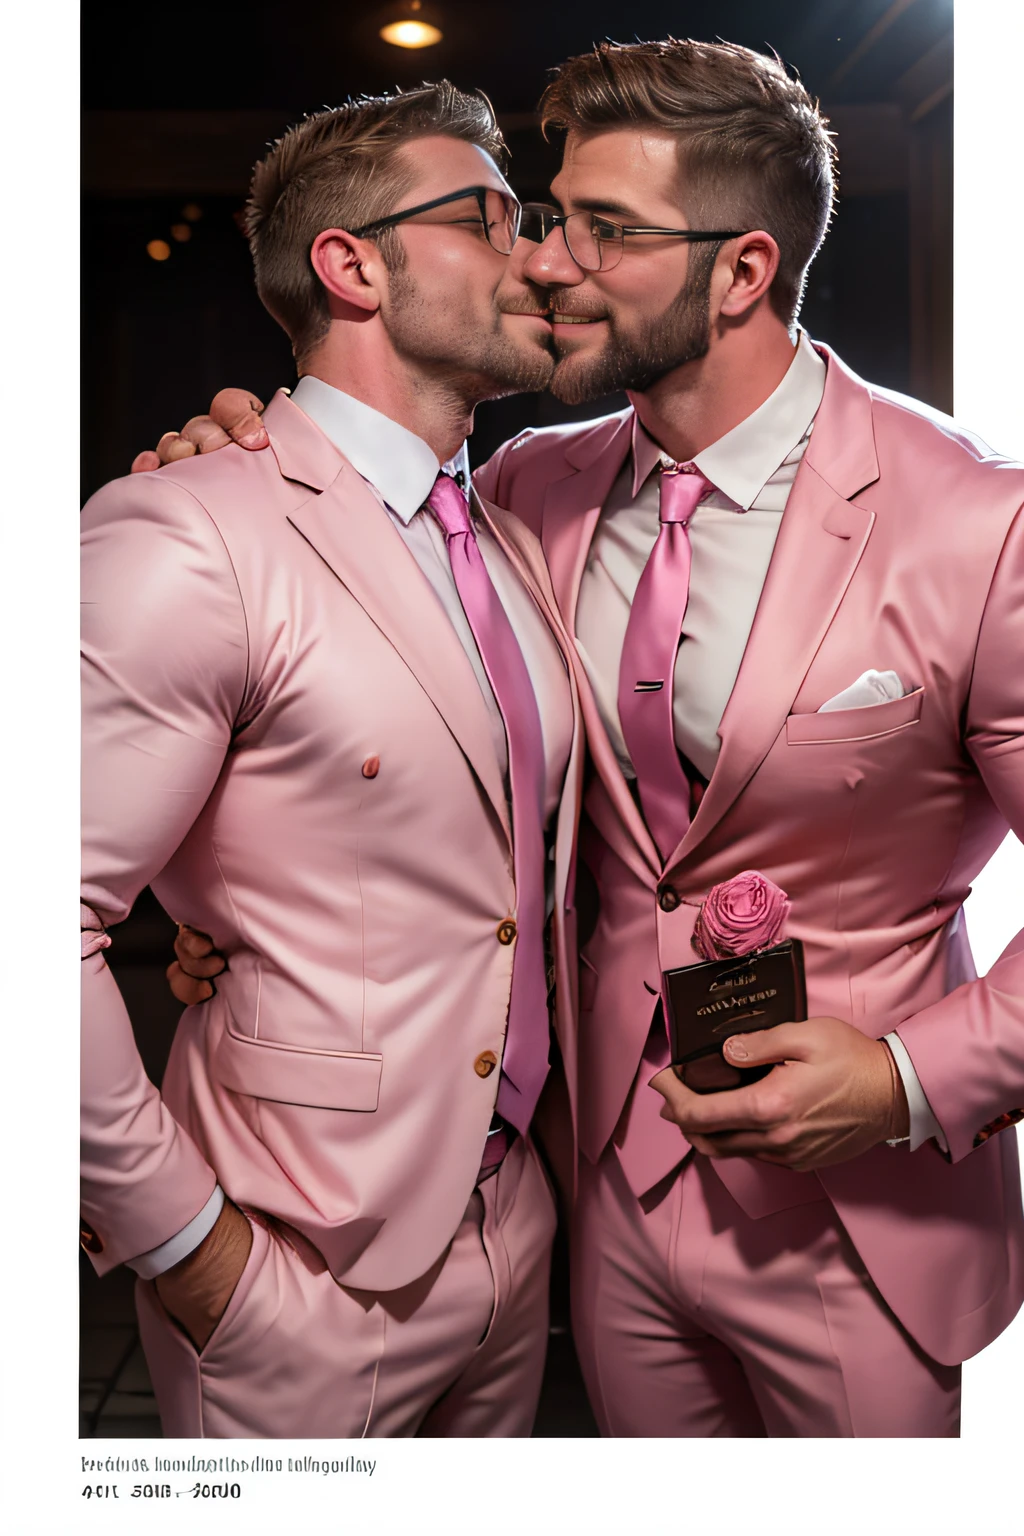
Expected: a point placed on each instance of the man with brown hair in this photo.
(306, 672)
(816, 1252)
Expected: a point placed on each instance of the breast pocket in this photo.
(865, 724)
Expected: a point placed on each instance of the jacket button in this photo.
(506, 931)
(667, 899)
(90, 1241)
(371, 768)
(485, 1064)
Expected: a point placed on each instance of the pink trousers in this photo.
(459, 1352)
(691, 1319)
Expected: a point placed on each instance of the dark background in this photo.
(177, 107)
(177, 112)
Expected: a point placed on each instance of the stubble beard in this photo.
(474, 363)
(635, 361)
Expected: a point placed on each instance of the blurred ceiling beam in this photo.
(210, 153)
(868, 41)
(928, 82)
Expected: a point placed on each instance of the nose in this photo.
(550, 264)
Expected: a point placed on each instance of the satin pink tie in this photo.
(524, 1064)
(647, 670)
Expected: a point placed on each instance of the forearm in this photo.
(143, 1178)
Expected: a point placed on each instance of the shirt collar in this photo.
(394, 460)
(741, 463)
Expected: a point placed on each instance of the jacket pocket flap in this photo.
(855, 724)
(318, 1079)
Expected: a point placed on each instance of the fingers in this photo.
(234, 418)
(786, 1042)
(172, 446)
(190, 941)
(196, 954)
(204, 432)
(187, 989)
(756, 1107)
(238, 412)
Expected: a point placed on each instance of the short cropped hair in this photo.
(755, 151)
(340, 169)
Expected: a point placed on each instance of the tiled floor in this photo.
(116, 1398)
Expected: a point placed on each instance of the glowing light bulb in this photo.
(158, 249)
(411, 34)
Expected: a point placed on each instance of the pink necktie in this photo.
(524, 1064)
(647, 670)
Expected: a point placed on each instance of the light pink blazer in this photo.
(256, 632)
(902, 546)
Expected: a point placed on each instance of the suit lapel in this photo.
(354, 536)
(821, 539)
(571, 509)
(527, 559)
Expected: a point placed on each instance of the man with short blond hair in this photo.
(305, 673)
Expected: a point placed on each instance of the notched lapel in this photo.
(820, 543)
(571, 509)
(353, 535)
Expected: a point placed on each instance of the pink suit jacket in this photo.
(256, 632)
(902, 546)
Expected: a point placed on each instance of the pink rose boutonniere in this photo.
(740, 916)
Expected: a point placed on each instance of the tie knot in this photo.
(449, 506)
(682, 486)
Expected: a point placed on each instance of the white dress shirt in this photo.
(732, 535)
(400, 470)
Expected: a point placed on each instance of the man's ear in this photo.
(350, 270)
(753, 264)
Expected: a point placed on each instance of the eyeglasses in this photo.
(494, 212)
(595, 244)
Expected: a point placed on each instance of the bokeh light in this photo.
(411, 34)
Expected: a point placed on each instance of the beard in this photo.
(473, 361)
(637, 359)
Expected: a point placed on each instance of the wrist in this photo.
(202, 1270)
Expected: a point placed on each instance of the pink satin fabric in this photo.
(647, 672)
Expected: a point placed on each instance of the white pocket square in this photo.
(870, 688)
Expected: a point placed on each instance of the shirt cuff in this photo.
(148, 1265)
(923, 1123)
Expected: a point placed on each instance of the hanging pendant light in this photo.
(412, 25)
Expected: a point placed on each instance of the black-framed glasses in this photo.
(498, 214)
(594, 243)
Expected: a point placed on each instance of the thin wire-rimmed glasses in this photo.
(595, 243)
(497, 212)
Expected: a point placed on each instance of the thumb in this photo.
(786, 1042)
(238, 412)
